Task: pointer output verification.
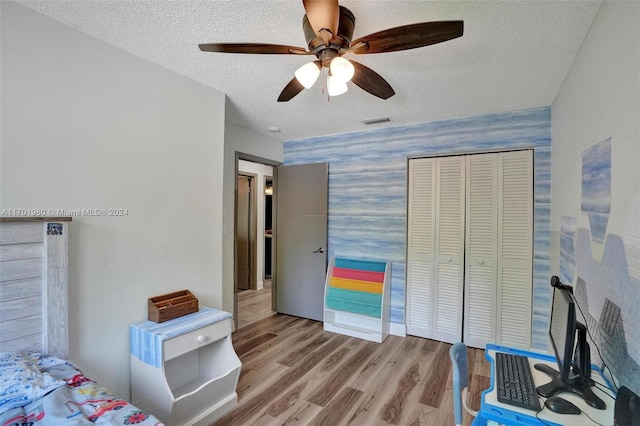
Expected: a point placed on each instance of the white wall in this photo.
(86, 125)
(260, 171)
(239, 139)
(600, 98)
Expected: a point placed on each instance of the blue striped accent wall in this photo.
(368, 189)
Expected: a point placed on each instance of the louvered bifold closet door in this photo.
(420, 246)
(515, 248)
(449, 248)
(481, 251)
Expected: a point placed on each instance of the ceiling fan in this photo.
(328, 29)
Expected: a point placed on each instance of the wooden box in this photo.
(172, 305)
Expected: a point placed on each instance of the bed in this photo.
(39, 386)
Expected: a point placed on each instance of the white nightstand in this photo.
(185, 370)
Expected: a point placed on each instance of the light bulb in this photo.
(341, 69)
(335, 87)
(308, 74)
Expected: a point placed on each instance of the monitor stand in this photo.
(579, 385)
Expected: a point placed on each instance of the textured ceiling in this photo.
(513, 55)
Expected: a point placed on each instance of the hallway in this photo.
(254, 305)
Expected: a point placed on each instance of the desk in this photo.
(493, 412)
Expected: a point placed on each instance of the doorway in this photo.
(246, 233)
(268, 227)
(298, 256)
(253, 239)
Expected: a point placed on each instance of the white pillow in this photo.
(21, 382)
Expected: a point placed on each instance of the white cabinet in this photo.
(469, 248)
(185, 370)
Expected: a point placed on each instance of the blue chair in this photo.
(458, 354)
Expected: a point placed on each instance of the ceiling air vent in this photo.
(369, 121)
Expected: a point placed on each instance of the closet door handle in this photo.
(449, 258)
(320, 250)
(481, 261)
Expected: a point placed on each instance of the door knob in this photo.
(320, 250)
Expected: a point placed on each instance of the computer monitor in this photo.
(569, 341)
(562, 329)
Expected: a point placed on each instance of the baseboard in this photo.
(260, 285)
(398, 330)
(217, 411)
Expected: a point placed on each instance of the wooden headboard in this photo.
(33, 285)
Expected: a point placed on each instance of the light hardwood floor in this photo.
(254, 305)
(293, 372)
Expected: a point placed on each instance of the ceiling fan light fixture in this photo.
(335, 86)
(328, 29)
(308, 74)
(341, 69)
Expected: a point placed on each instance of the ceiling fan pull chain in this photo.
(324, 83)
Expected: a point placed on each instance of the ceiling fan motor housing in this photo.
(339, 41)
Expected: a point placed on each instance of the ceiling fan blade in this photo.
(322, 14)
(409, 37)
(262, 48)
(290, 90)
(370, 81)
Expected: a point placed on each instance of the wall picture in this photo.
(567, 253)
(596, 187)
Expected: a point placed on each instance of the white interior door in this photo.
(481, 249)
(515, 248)
(470, 248)
(449, 248)
(420, 246)
(301, 239)
(435, 248)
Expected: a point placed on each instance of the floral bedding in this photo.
(38, 391)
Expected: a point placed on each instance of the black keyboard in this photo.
(515, 382)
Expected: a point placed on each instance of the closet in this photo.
(469, 248)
